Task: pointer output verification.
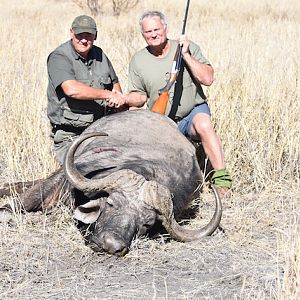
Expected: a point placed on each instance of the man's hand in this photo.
(117, 99)
(185, 44)
(202, 73)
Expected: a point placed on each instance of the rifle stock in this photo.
(161, 102)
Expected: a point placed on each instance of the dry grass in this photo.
(254, 47)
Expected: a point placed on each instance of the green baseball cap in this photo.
(84, 23)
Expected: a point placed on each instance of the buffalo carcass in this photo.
(132, 169)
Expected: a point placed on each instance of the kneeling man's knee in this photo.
(202, 124)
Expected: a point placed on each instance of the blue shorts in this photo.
(184, 125)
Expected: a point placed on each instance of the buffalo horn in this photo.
(159, 197)
(121, 179)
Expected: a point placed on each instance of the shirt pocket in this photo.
(78, 120)
(104, 82)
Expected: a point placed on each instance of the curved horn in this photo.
(122, 178)
(159, 197)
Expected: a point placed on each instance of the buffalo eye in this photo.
(147, 225)
(149, 221)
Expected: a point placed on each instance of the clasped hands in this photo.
(117, 99)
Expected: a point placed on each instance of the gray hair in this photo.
(151, 14)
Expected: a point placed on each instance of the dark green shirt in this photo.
(64, 63)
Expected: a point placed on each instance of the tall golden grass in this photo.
(254, 47)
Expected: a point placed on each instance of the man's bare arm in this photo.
(117, 88)
(202, 73)
(80, 91)
(136, 100)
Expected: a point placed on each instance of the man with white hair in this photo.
(149, 70)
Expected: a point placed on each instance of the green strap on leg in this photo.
(222, 178)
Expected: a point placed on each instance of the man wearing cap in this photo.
(82, 85)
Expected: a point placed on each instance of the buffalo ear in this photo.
(88, 213)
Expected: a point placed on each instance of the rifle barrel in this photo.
(185, 16)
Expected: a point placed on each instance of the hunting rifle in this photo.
(161, 102)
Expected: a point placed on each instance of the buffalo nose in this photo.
(113, 244)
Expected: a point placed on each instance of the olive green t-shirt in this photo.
(148, 74)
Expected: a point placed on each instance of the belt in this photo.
(68, 128)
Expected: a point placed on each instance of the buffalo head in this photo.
(128, 206)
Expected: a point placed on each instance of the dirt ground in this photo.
(44, 256)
